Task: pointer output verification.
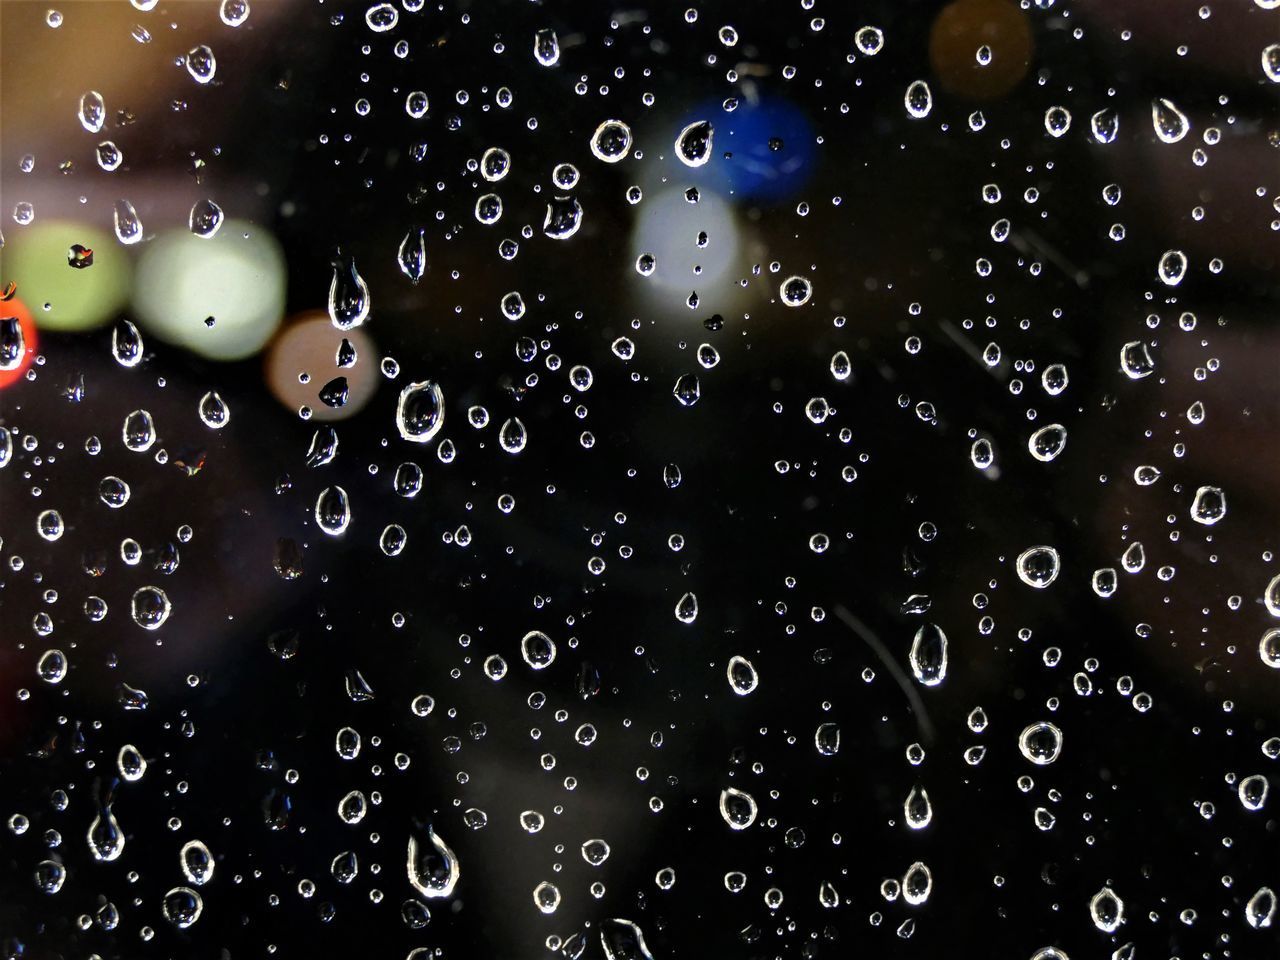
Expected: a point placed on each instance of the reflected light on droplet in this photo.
(236, 277)
(15, 308)
(961, 28)
(309, 344)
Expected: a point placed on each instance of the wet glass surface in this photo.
(750, 480)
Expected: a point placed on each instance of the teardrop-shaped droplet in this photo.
(512, 436)
(1054, 379)
(214, 412)
(420, 411)
(349, 300)
(128, 225)
(928, 657)
(538, 650)
(1269, 648)
(828, 897)
(1172, 267)
(1134, 557)
(1261, 909)
(126, 344)
(182, 907)
(623, 940)
(738, 808)
(693, 145)
(353, 807)
(345, 867)
(981, 454)
(131, 763)
(52, 666)
(742, 676)
(196, 862)
(333, 511)
(205, 219)
(1136, 361)
(546, 47)
(917, 883)
(917, 811)
(1038, 566)
(1040, 743)
(1107, 910)
(1105, 124)
(918, 100)
(201, 64)
(1047, 442)
(687, 608)
(93, 111)
(106, 839)
(1170, 123)
(139, 431)
(433, 869)
(412, 255)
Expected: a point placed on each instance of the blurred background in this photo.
(191, 194)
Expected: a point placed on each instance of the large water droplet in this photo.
(433, 869)
(196, 862)
(512, 436)
(93, 111)
(687, 608)
(1170, 123)
(1040, 743)
(1038, 566)
(333, 510)
(349, 300)
(928, 657)
(738, 808)
(150, 607)
(420, 411)
(1047, 442)
(1107, 910)
(412, 255)
(128, 224)
(742, 676)
(182, 907)
(201, 64)
(546, 47)
(918, 100)
(1209, 506)
(693, 145)
(612, 141)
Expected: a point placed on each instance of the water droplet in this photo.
(1057, 121)
(1253, 791)
(1038, 566)
(742, 676)
(1209, 506)
(1040, 743)
(182, 907)
(201, 64)
(693, 146)
(13, 344)
(495, 164)
(432, 867)
(546, 897)
(412, 255)
(916, 809)
(538, 650)
(333, 511)
(52, 666)
(1105, 124)
(1271, 62)
(349, 300)
(1047, 442)
(827, 739)
(234, 12)
(126, 344)
(563, 218)
(196, 862)
(928, 657)
(612, 141)
(623, 940)
(1172, 267)
(381, 17)
(150, 607)
(546, 47)
(128, 225)
(918, 100)
(420, 411)
(1261, 909)
(93, 111)
(687, 608)
(214, 412)
(796, 291)
(1170, 123)
(49, 876)
(1136, 361)
(869, 40)
(205, 219)
(738, 808)
(512, 436)
(1107, 910)
(917, 883)
(131, 763)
